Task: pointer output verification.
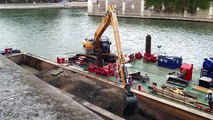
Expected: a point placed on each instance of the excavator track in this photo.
(108, 58)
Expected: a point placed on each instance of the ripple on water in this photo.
(57, 32)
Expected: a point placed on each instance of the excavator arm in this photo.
(100, 30)
(121, 60)
(111, 17)
(130, 101)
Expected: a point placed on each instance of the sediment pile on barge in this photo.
(102, 95)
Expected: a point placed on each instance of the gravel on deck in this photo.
(24, 96)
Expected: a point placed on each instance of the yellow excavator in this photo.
(100, 46)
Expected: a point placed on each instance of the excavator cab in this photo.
(88, 45)
(105, 44)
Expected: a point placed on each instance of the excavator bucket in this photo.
(130, 103)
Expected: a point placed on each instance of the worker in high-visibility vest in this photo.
(209, 97)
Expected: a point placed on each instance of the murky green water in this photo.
(57, 32)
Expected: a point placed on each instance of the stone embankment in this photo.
(44, 5)
(137, 9)
(24, 96)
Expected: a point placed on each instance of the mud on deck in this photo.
(104, 96)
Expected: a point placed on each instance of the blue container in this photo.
(208, 64)
(171, 62)
(210, 74)
(207, 73)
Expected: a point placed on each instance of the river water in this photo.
(59, 32)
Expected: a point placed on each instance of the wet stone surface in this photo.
(24, 96)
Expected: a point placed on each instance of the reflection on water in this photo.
(59, 32)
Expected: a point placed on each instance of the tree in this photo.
(179, 6)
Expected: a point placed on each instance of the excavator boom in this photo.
(100, 30)
(130, 101)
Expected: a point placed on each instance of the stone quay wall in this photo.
(137, 9)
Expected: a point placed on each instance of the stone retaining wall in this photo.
(44, 5)
(136, 8)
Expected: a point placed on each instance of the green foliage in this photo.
(178, 6)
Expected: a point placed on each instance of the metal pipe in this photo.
(148, 44)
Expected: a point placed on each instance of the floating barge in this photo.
(163, 105)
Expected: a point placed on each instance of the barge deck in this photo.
(159, 106)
